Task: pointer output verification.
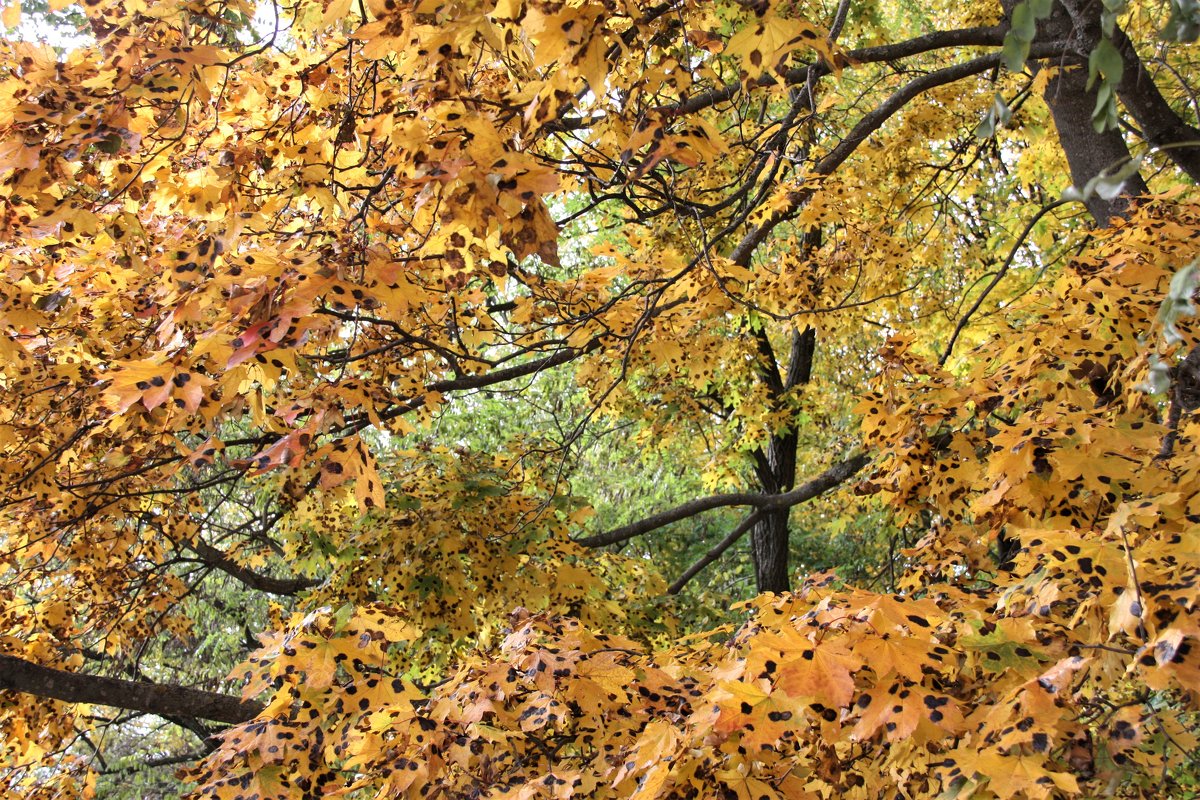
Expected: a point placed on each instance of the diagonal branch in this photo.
(989, 36)
(1161, 126)
(483, 380)
(263, 583)
(165, 700)
(868, 124)
(715, 553)
(829, 479)
(999, 276)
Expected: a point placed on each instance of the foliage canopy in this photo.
(379, 377)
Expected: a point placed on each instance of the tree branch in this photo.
(990, 36)
(715, 553)
(483, 380)
(165, 700)
(263, 583)
(827, 480)
(190, 724)
(1162, 127)
(872, 121)
(151, 763)
(1185, 398)
(1000, 273)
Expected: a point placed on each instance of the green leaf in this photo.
(342, 616)
(1184, 23)
(1108, 17)
(998, 115)
(1024, 21)
(110, 144)
(1024, 28)
(1178, 302)
(1105, 61)
(1104, 115)
(1015, 52)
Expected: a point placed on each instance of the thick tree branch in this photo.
(839, 20)
(872, 121)
(1072, 99)
(263, 583)
(827, 480)
(165, 700)
(800, 360)
(191, 724)
(769, 363)
(991, 36)
(1185, 398)
(1161, 126)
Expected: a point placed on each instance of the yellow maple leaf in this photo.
(1013, 775)
(11, 16)
(317, 658)
(745, 785)
(821, 671)
(759, 716)
(765, 42)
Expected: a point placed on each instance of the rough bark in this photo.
(1159, 124)
(1185, 398)
(769, 551)
(776, 465)
(165, 700)
(1071, 103)
(1089, 153)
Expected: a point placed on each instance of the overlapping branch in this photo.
(827, 480)
(871, 122)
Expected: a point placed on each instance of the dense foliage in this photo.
(539, 398)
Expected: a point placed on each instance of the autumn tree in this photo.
(268, 269)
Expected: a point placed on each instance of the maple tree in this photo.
(315, 317)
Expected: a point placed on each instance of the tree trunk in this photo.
(776, 470)
(776, 466)
(1089, 153)
(769, 549)
(1071, 104)
(1159, 123)
(1160, 126)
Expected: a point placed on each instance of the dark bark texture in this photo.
(1157, 122)
(18, 675)
(1071, 103)
(775, 465)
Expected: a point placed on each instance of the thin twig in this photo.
(966, 318)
